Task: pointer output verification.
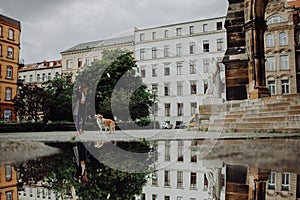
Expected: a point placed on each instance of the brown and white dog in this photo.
(108, 123)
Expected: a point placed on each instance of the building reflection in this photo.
(8, 182)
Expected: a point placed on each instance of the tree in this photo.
(60, 91)
(31, 102)
(119, 92)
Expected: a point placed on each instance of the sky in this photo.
(49, 27)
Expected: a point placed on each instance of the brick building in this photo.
(10, 30)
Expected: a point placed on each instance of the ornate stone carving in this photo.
(275, 6)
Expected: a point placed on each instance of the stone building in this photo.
(83, 54)
(280, 51)
(175, 62)
(10, 30)
(37, 73)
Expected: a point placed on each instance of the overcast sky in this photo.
(51, 26)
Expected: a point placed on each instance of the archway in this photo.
(245, 56)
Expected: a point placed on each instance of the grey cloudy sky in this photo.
(51, 26)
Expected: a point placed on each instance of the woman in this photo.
(80, 108)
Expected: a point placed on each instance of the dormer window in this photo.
(275, 19)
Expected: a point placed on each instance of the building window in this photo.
(179, 179)
(205, 182)
(194, 151)
(192, 67)
(38, 77)
(142, 54)
(179, 109)
(1, 32)
(193, 86)
(154, 52)
(219, 25)
(143, 196)
(49, 76)
(166, 50)
(285, 86)
(180, 88)
(69, 64)
(87, 61)
(206, 63)
(9, 72)
(143, 72)
(154, 178)
(167, 109)
(272, 181)
(166, 70)
(178, 49)
(272, 87)
(167, 197)
(11, 34)
(179, 68)
(142, 36)
(8, 94)
(30, 78)
(95, 58)
(167, 178)
(167, 89)
(283, 38)
(167, 150)
(270, 64)
(10, 52)
(179, 198)
(79, 62)
(9, 196)
(192, 47)
(192, 30)
(44, 77)
(284, 63)
(220, 44)
(269, 40)
(180, 151)
(154, 70)
(205, 45)
(285, 184)
(166, 33)
(193, 108)
(154, 196)
(153, 35)
(7, 115)
(178, 31)
(205, 27)
(0, 50)
(193, 180)
(8, 172)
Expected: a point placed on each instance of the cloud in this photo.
(49, 27)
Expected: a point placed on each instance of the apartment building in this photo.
(175, 62)
(8, 182)
(33, 192)
(282, 66)
(81, 55)
(37, 73)
(10, 30)
(180, 174)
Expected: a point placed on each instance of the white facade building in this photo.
(37, 73)
(175, 62)
(83, 54)
(36, 192)
(180, 173)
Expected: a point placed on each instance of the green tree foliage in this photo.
(118, 91)
(60, 91)
(30, 102)
(57, 171)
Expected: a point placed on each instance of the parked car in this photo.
(167, 125)
(180, 125)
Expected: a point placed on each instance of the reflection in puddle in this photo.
(172, 169)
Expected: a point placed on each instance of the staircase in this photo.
(276, 114)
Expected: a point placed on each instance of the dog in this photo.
(108, 123)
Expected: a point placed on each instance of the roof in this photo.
(10, 22)
(41, 65)
(101, 43)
